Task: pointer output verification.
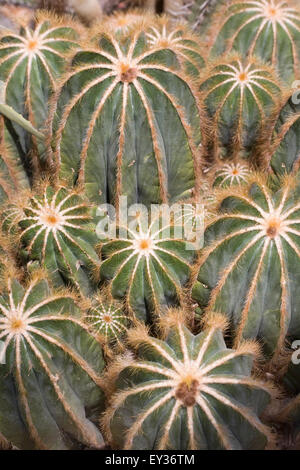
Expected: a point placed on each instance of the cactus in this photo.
(30, 64)
(264, 28)
(250, 267)
(282, 152)
(13, 177)
(239, 96)
(187, 392)
(148, 267)
(50, 379)
(107, 319)
(186, 46)
(56, 229)
(113, 95)
(230, 174)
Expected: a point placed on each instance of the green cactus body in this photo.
(126, 122)
(250, 267)
(239, 97)
(283, 153)
(106, 317)
(268, 29)
(30, 65)
(49, 370)
(187, 393)
(148, 267)
(13, 177)
(57, 230)
(231, 174)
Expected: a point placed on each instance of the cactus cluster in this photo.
(173, 327)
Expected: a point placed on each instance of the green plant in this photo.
(106, 318)
(115, 93)
(229, 174)
(250, 266)
(30, 65)
(187, 392)
(148, 267)
(49, 369)
(269, 29)
(239, 96)
(56, 229)
(282, 151)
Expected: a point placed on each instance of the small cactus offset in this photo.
(56, 229)
(239, 95)
(186, 393)
(115, 93)
(263, 28)
(30, 65)
(230, 174)
(255, 232)
(148, 267)
(50, 369)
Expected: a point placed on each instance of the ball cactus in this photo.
(229, 174)
(106, 318)
(269, 29)
(250, 267)
(30, 64)
(239, 96)
(115, 93)
(147, 267)
(56, 229)
(50, 369)
(186, 393)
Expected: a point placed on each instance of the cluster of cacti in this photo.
(170, 328)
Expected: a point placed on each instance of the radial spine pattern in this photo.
(148, 267)
(49, 369)
(256, 232)
(239, 96)
(115, 94)
(30, 65)
(269, 29)
(188, 392)
(57, 230)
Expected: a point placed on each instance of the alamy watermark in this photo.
(180, 221)
(296, 94)
(2, 353)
